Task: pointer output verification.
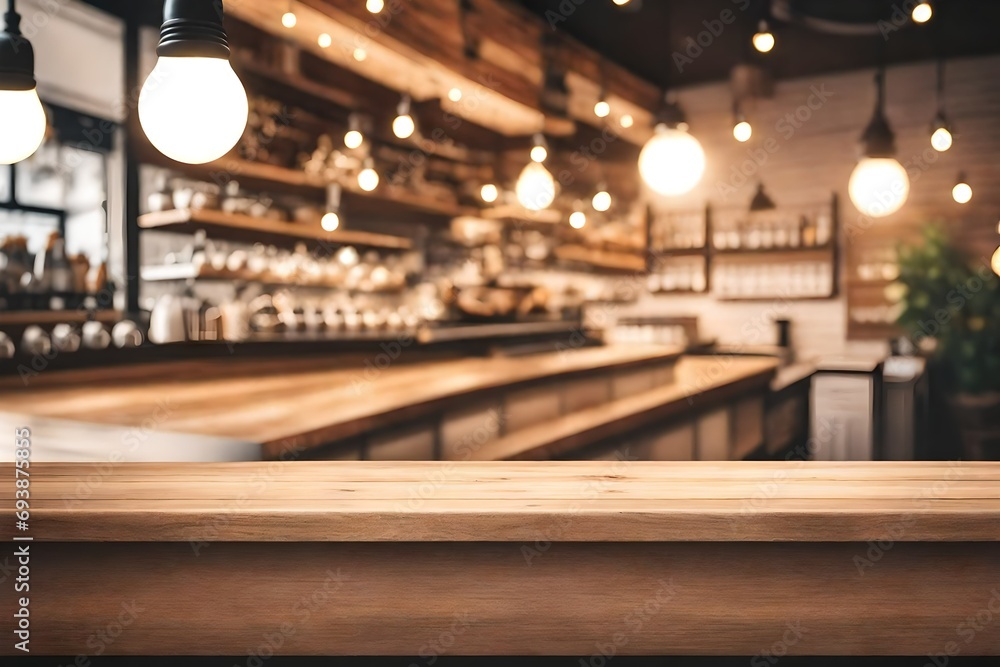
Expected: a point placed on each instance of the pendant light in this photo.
(353, 138)
(489, 192)
(375, 6)
(996, 262)
(672, 162)
(742, 130)
(578, 219)
(922, 12)
(536, 188)
(962, 192)
(331, 219)
(22, 118)
(761, 200)
(368, 178)
(763, 39)
(289, 19)
(602, 199)
(879, 185)
(193, 107)
(539, 151)
(941, 131)
(403, 126)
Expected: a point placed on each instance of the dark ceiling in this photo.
(644, 34)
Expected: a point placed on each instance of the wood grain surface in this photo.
(613, 501)
(304, 401)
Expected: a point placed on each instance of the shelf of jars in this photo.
(679, 258)
(770, 252)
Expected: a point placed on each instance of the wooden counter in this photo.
(530, 558)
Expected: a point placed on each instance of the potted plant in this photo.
(949, 308)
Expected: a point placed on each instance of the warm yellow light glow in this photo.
(288, 19)
(353, 139)
(742, 131)
(489, 193)
(455, 94)
(602, 109)
(577, 219)
(324, 40)
(330, 222)
(763, 41)
(403, 126)
(879, 186)
(368, 179)
(672, 162)
(23, 121)
(941, 140)
(922, 13)
(193, 110)
(536, 188)
(602, 201)
(375, 6)
(626, 121)
(539, 154)
(360, 54)
(962, 193)
(996, 262)
(621, 3)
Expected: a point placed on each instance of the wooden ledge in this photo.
(617, 501)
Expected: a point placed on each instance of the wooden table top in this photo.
(301, 401)
(593, 501)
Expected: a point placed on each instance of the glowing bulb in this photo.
(922, 13)
(602, 201)
(763, 41)
(539, 154)
(360, 54)
(23, 121)
(536, 188)
(962, 193)
(375, 6)
(626, 121)
(403, 126)
(368, 179)
(330, 222)
(193, 110)
(288, 19)
(353, 139)
(602, 109)
(325, 40)
(455, 94)
(621, 3)
(489, 193)
(996, 262)
(941, 140)
(879, 186)
(742, 131)
(577, 219)
(672, 162)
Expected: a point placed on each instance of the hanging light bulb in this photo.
(602, 109)
(577, 219)
(193, 107)
(375, 6)
(626, 121)
(922, 13)
(602, 199)
(360, 54)
(763, 39)
(879, 185)
(742, 130)
(353, 137)
(324, 40)
(996, 262)
(536, 188)
(403, 125)
(368, 177)
(330, 221)
(22, 118)
(289, 19)
(962, 192)
(489, 192)
(941, 136)
(672, 162)
(539, 153)
(455, 94)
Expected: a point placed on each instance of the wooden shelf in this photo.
(667, 253)
(244, 227)
(616, 261)
(29, 317)
(271, 177)
(173, 272)
(505, 212)
(788, 250)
